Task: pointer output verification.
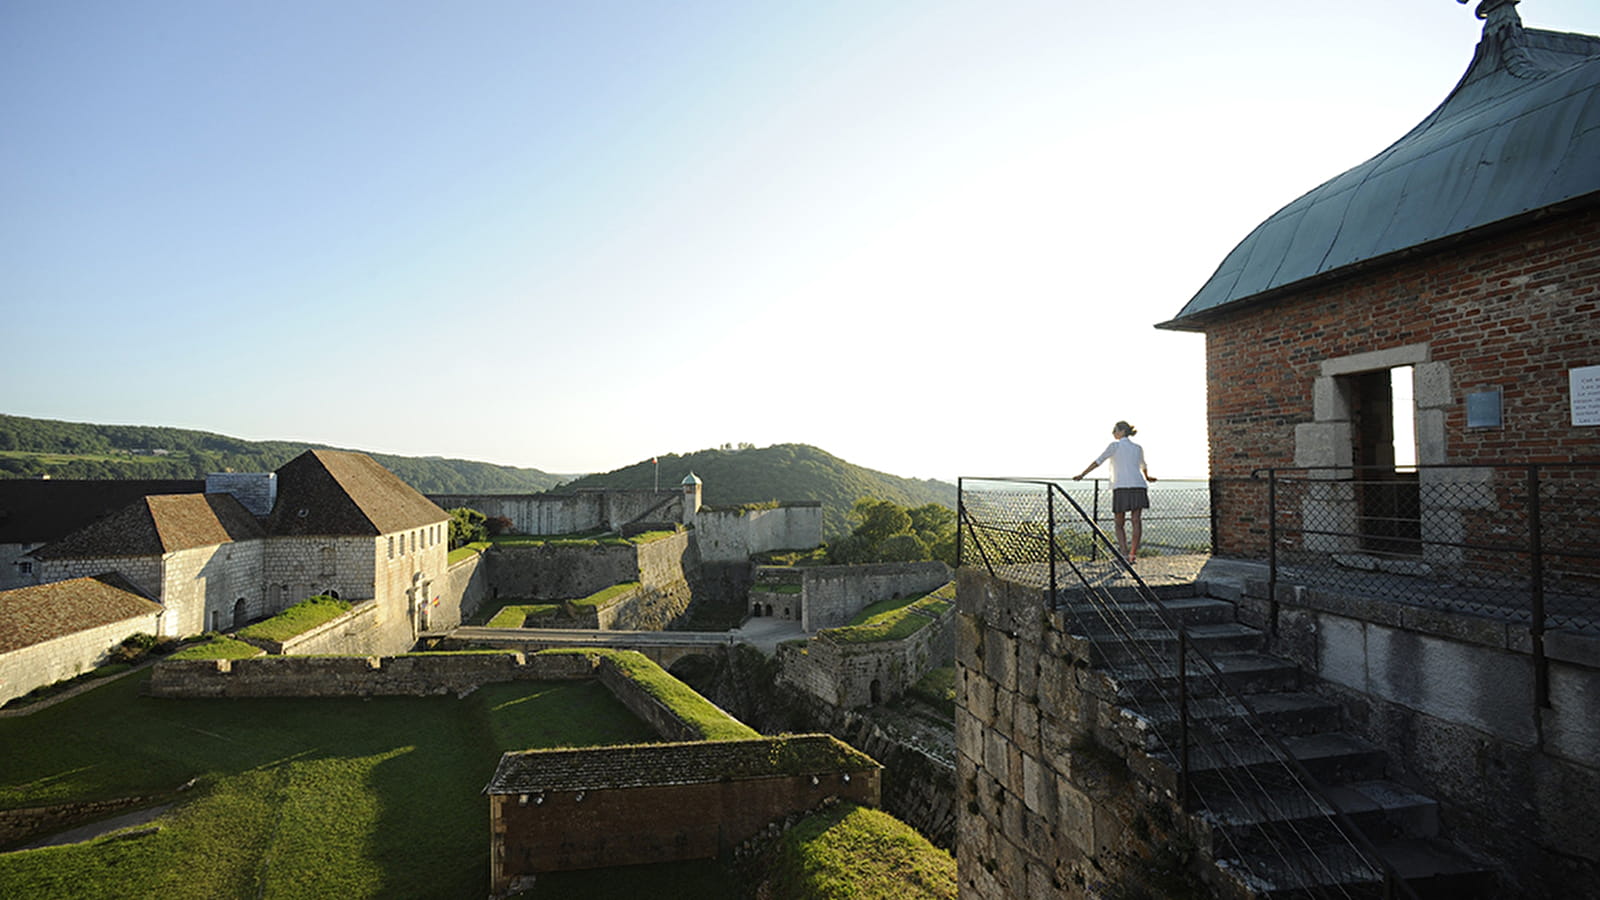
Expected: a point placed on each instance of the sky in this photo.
(931, 237)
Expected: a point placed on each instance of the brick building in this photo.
(553, 810)
(1461, 263)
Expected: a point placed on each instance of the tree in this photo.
(879, 519)
(467, 526)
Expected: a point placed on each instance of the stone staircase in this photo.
(1269, 836)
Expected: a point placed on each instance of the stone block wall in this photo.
(574, 513)
(731, 535)
(204, 588)
(365, 629)
(416, 675)
(460, 592)
(1050, 806)
(832, 595)
(549, 573)
(145, 572)
(849, 675)
(65, 657)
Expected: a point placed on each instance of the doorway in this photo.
(1383, 432)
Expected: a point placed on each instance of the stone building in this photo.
(52, 632)
(35, 512)
(327, 522)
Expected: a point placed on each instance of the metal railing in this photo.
(1272, 818)
(1515, 543)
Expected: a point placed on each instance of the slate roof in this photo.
(657, 765)
(339, 492)
(35, 614)
(1519, 133)
(161, 523)
(38, 511)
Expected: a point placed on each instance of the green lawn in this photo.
(293, 798)
(891, 620)
(853, 853)
(297, 619)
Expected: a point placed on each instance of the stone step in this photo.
(1433, 869)
(1141, 614)
(1157, 723)
(1241, 673)
(1225, 769)
(1102, 646)
(1255, 821)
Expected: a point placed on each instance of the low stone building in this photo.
(52, 632)
(36, 512)
(554, 810)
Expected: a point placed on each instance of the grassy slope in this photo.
(295, 798)
(860, 854)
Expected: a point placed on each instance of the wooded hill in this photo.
(780, 472)
(31, 448)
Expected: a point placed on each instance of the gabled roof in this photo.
(1519, 133)
(38, 613)
(158, 524)
(337, 492)
(37, 511)
(695, 762)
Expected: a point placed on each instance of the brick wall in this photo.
(1513, 313)
(633, 826)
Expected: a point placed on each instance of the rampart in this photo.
(573, 513)
(565, 572)
(846, 674)
(832, 595)
(734, 535)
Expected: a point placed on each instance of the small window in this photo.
(25, 568)
(391, 546)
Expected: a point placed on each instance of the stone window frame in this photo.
(1328, 441)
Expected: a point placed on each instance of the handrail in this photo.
(1278, 751)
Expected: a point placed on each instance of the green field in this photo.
(292, 798)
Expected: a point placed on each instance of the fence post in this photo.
(1272, 550)
(1050, 540)
(1183, 719)
(1541, 665)
(961, 518)
(1094, 546)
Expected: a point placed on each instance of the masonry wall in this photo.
(832, 595)
(65, 657)
(849, 675)
(1050, 805)
(205, 587)
(460, 592)
(417, 675)
(559, 573)
(295, 568)
(634, 826)
(733, 535)
(574, 513)
(143, 571)
(1512, 312)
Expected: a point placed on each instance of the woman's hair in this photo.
(1125, 428)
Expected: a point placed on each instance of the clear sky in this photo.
(931, 237)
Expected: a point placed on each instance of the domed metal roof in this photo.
(1519, 133)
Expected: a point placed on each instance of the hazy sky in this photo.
(929, 237)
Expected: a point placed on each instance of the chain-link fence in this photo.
(1515, 543)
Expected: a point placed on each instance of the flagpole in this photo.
(657, 461)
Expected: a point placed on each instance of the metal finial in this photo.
(1487, 6)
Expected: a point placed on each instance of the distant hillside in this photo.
(30, 448)
(779, 472)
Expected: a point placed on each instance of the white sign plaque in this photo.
(1585, 395)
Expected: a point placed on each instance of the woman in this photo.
(1130, 482)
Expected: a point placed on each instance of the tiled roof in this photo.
(35, 614)
(163, 523)
(1519, 134)
(37, 511)
(654, 765)
(337, 492)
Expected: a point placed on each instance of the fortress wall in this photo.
(832, 595)
(575, 513)
(850, 675)
(460, 592)
(559, 573)
(658, 715)
(730, 535)
(416, 675)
